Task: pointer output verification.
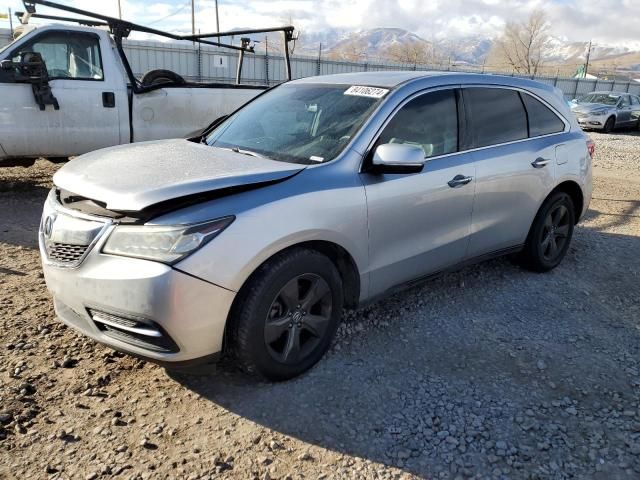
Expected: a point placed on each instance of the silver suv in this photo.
(319, 194)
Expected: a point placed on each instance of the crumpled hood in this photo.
(132, 177)
(590, 107)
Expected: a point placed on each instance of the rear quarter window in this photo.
(497, 115)
(542, 121)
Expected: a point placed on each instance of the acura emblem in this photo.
(48, 225)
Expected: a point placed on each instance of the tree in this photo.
(412, 53)
(350, 51)
(522, 44)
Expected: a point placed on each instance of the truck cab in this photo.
(68, 89)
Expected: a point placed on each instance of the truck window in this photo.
(67, 55)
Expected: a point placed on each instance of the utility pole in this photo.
(586, 65)
(119, 10)
(217, 18)
(10, 24)
(193, 17)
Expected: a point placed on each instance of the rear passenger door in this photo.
(515, 143)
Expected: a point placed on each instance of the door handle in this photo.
(108, 99)
(458, 181)
(540, 162)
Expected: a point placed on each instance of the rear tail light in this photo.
(591, 147)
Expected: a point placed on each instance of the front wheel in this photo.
(287, 314)
(609, 125)
(550, 234)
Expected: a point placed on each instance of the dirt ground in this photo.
(491, 372)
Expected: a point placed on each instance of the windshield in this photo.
(298, 123)
(603, 98)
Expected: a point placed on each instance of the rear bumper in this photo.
(185, 316)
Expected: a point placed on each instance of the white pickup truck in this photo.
(68, 89)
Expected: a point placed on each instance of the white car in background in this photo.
(607, 110)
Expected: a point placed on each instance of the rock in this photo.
(541, 364)
(305, 457)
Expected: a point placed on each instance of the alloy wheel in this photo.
(555, 232)
(298, 318)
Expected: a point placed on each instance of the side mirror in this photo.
(398, 158)
(6, 65)
(32, 69)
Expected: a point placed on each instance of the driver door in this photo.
(624, 111)
(91, 106)
(419, 223)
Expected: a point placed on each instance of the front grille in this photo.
(65, 252)
(141, 333)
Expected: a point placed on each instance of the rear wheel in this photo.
(287, 314)
(609, 125)
(550, 234)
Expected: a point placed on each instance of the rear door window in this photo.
(497, 115)
(542, 121)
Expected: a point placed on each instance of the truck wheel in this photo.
(285, 317)
(158, 77)
(550, 234)
(609, 125)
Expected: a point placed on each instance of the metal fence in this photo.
(210, 64)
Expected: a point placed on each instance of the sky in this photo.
(608, 22)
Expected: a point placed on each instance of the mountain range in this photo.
(374, 45)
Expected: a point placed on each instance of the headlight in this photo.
(598, 113)
(163, 243)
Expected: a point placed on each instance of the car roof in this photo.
(397, 78)
(608, 92)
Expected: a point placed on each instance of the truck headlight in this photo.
(163, 243)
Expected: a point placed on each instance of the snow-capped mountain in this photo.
(374, 44)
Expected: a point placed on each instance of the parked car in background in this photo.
(607, 110)
(322, 193)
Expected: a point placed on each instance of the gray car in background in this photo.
(320, 194)
(607, 110)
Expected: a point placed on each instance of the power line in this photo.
(171, 14)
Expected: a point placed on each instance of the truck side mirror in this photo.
(32, 69)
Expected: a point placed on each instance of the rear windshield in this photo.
(299, 123)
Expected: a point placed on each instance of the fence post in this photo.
(199, 54)
(575, 90)
(319, 62)
(266, 61)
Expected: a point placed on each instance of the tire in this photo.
(273, 313)
(609, 125)
(159, 77)
(539, 254)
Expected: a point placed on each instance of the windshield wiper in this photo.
(246, 152)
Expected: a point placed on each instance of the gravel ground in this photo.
(491, 372)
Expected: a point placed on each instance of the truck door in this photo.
(91, 102)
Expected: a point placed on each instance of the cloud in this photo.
(606, 21)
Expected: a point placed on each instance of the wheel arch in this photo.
(574, 191)
(337, 254)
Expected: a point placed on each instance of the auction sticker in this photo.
(360, 91)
